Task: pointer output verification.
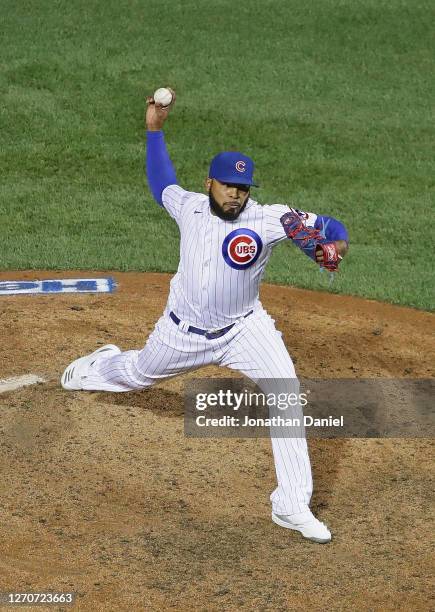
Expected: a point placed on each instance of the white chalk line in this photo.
(16, 382)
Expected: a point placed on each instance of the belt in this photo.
(210, 335)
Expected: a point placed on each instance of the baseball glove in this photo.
(311, 241)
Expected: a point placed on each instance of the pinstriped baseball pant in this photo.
(253, 347)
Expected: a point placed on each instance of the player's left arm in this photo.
(322, 238)
(333, 231)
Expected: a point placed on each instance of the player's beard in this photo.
(226, 216)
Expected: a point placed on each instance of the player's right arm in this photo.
(159, 168)
(160, 171)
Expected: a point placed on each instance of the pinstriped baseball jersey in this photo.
(221, 262)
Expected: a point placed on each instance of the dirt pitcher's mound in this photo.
(103, 496)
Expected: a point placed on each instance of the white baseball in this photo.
(163, 96)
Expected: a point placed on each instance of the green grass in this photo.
(350, 132)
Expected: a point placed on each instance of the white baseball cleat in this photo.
(71, 379)
(306, 523)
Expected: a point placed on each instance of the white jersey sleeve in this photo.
(274, 229)
(173, 198)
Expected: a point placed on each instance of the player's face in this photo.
(227, 200)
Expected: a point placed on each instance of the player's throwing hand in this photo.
(156, 114)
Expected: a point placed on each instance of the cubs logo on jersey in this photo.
(241, 248)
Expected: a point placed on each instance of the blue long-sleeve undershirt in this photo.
(159, 168)
(331, 228)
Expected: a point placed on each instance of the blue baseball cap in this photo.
(232, 167)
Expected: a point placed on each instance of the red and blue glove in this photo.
(313, 241)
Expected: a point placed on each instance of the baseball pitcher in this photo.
(213, 314)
